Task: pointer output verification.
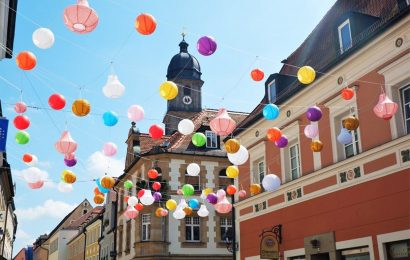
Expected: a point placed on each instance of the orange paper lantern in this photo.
(188, 211)
(107, 182)
(347, 93)
(255, 189)
(316, 146)
(26, 60)
(231, 189)
(81, 107)
(257, 74)
(145, 24)
(274, 134)
(350, 123)
(99, 199)
(232, 146)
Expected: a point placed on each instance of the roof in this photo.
(184, 65)
(85, 220)
(320, 49)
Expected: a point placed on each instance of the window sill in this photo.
(193, 243)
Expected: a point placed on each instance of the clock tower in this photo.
(185, 71)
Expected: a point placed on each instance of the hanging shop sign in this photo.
(270, 241)
(3, 133)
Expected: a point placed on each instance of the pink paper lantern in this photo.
(222, 124)
(311, 131)
(80, 18)
(386, 108)
(36, 185)
(20, 107)
(110, 149)
(69, 156)
(223, 206)
(131, 212)
(66, 144)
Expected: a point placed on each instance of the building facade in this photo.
(25, 254)
(76, 247)
(108, 227)
(348, 201)
(93, 233)
(7, 26)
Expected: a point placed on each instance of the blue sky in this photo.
(270, 29)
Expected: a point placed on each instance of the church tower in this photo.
(185, 71)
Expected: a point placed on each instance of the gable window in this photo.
(345, 36)
(211, 139)
(272, 91)
(192, 229)
(146, 227)
(405, 104)
(261, 171)
(226, 228)
(294, 162)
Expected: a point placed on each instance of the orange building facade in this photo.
(347, 201)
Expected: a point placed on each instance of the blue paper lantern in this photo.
(344, 137)
(110, 118)
(270, 112)
(193, 203)
(101, 188)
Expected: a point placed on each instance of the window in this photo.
(361, 253)
(128, 236)
(261, 171)
(224, 181)
(352, 149)
(53, 246)
(272, 91)
(294, 162)
(194, 181)
(398, 250)
(345, 36)
(192, 229)
(187, 91)
(85, 211)
(226, 228)
(146, 227)
(405, 104)
(211, 139)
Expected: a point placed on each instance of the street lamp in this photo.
(231, 246)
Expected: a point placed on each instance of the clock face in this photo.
(187, 100)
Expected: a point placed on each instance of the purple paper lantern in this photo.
(282, 142)
(206, 45)
(70, 162)
(157, 196)
(212, 198)
(314, 114)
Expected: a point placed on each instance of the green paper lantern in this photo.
(188, 190)
(128, 184)
(22, 137)
(199, 139)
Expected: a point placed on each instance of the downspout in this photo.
(115, 223)
(233, 229)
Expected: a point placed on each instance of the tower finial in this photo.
(183, 33)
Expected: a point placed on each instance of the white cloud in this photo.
(24, 238)
(49, 209)
(98, 164)
(33, 174)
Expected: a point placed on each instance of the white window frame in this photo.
(190, 223)
(272, 83)
(146, 222)
(263, 168)
(403, 105)
(212, 136)
(382, 239)
(292, 131)
(225, 223)
(199, 180)
(339, 29)
(297, 157)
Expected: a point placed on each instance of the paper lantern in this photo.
(33, 175)
(179, 214)
(126, 198)
(80, 18)
(242, 194)
(69, 156)
(97, 191)
(98, 199)
(193, 169)
(110, 149)
(385, 108)
(282, 142)
(113, 88)
(171, 204)
(68, 176)
(186, 127)
(257, 75)
(22, 137)
(135, 113)
(212, 198)
(168, 90)
(140, 193)
(56, 101)
(314, 113)
(156, 185)
(66, 143)
(306, 75)
(20, 107)
(100, 187)
(350, 123)
(164, 213)
(26, 60)
(311, 131)
(64, 187)
(222, 124)
(232, 146)
(158, 212)
(231, 189)
(273, 134)
(132, 201)
(199, 139)
(30, 159)
(223, 206)
(131, 213)
(207, 191)
(188, 190)
(156, 132)
(270, 182)
(21, 122)
(316, 146)
(220, 194)
(139, 207)
(206, 45)
(36, 185)
(70, 162)
(43, 38)
(152, 174)
(344, 136)
(194, 204)
(81, 107)
(145, 24)
(188, 211)
(147, 199)
(347, 93)
(110, 118)
(255, 189)
(107, 182)
(270, 112)
(232, 171)
(203, 211)
(239, 157)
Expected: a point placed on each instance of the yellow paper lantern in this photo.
(316, 146)
(168, 90)
(255, 189)
(232, 146)
(171, 204)
(207, 191)
(81, 107)
(232, 171)
(306, 75)
(68, 177)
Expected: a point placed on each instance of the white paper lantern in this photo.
(135, 113)
(186, 127)
(33, 162)
(240, 157)
(147, 199)
(113, 88)
(193, 169)
(179, 213)
(43, 38)
(220, 194)
(65, 187)
(34, 174)
(203, 211)
(271, 182)
(132, 201)
(311, 131)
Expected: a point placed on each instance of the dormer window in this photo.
(272, 91)
(345, 36)
(211, 139)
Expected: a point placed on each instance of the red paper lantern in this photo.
(156, 132)
(21, 122)
(56, 101)
(26, 60)
(156, 185)
(140, 193)
(222, 124)
(274, 134)
(257, 74)
(152, 174)
(386, 108)
(27, 158)
(97, 191)
(231, 189)
(139, 207)
(347, 93)
(126, 198)
(80, 18)
(145, 24)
